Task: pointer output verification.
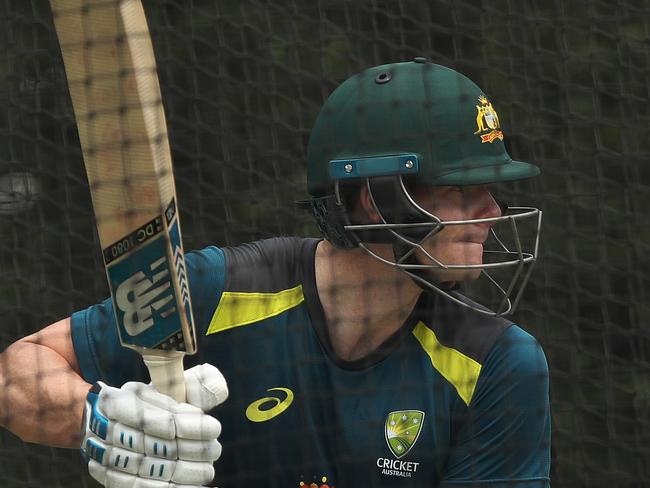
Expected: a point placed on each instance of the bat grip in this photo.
(167, 373)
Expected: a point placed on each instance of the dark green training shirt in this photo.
(453, 399)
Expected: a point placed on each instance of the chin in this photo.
(471, 274)
(466, 253)
(456, 275)
(462, 253)
(461, 275)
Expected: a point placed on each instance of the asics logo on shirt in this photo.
(268, 407)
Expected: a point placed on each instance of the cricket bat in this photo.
(111, 71)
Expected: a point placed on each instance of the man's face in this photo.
(457, 244)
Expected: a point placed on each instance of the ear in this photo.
(367, 206)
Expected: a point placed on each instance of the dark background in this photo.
(242, 82)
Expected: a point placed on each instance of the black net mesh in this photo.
(242, 82)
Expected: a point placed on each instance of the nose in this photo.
(488, 207)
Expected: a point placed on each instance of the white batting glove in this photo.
(136, 437)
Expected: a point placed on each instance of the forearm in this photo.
(41, 396)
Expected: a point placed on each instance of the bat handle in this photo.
(167, 373)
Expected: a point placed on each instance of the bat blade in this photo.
(111, 70)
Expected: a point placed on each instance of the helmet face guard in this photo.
(516, 257)
(419, 123)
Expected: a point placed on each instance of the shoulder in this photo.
(466, 330)
(268, 250)
(458, 341)
(268, 265)
(204, 261)
(484, 338)
(474, 351)
(279, 250)
(514, 375)
(516, 357)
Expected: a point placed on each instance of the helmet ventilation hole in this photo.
(383, 77)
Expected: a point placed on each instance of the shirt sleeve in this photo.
(502, 439)
(94, 332)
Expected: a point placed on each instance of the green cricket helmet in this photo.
(396, 126)
(416, 109)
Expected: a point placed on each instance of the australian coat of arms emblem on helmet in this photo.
(487, 121)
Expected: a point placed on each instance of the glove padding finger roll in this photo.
(136, 437)
(205, 387)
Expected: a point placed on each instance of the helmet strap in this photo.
(331, 216)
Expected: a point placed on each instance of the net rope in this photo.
(242, 82)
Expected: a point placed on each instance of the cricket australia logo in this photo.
(139, 297)
(401, 431)
(487, 121)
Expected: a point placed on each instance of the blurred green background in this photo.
(242, 82)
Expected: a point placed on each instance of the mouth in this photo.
(476, 234)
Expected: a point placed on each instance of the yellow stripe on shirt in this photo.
(241, 308)
(457, 368)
